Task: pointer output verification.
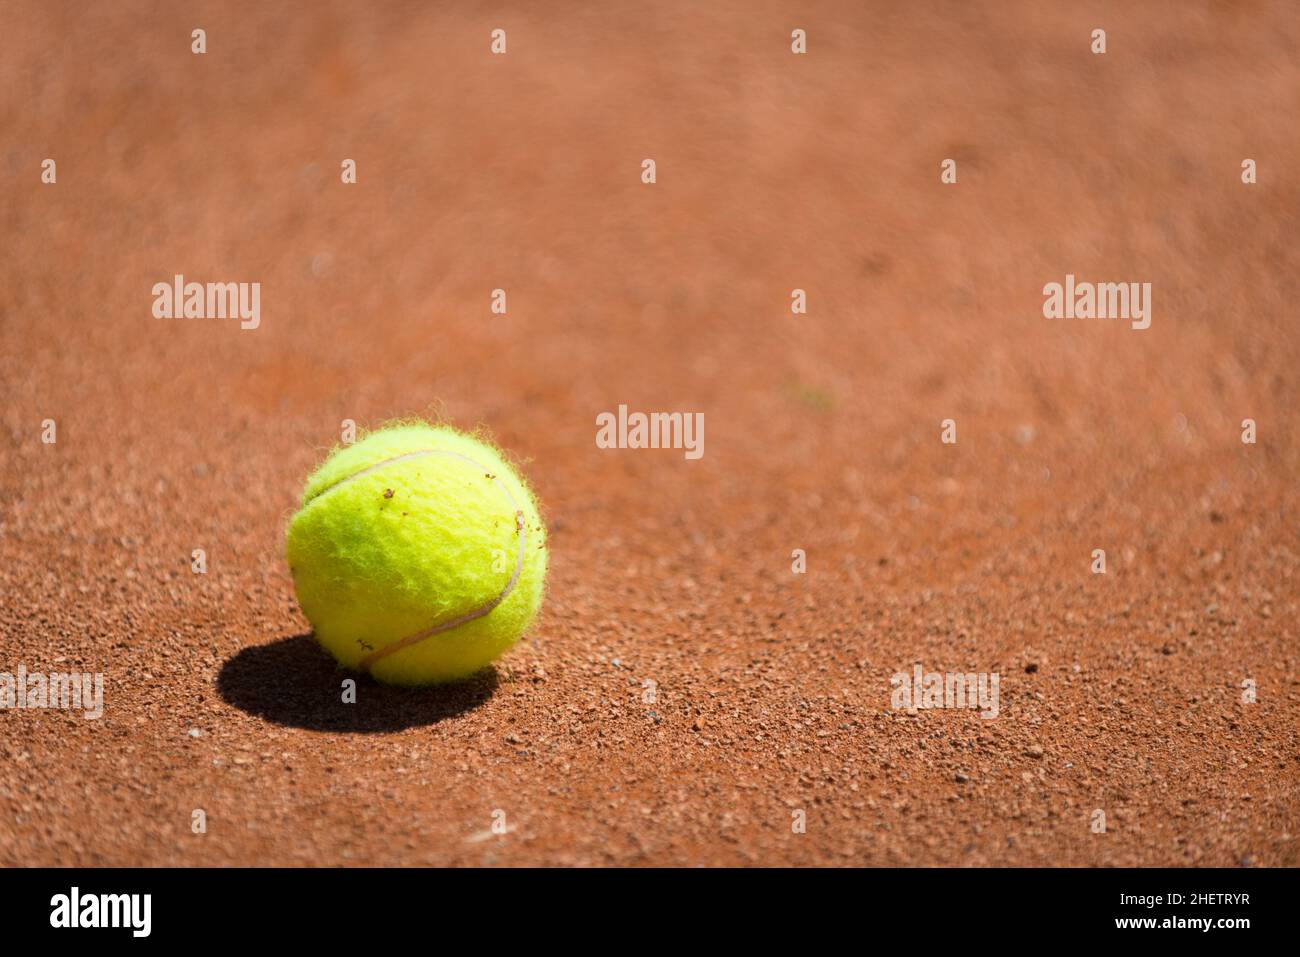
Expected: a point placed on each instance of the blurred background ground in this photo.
(1120, 693)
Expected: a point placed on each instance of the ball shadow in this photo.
(293, 682)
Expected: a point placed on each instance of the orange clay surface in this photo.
(683, 694)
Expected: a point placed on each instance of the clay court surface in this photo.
(1121, 693)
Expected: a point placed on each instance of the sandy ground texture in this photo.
(686, 697)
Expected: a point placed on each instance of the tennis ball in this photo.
(417, 554)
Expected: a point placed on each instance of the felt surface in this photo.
(408, 529)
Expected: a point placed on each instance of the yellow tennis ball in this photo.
(418, 554)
